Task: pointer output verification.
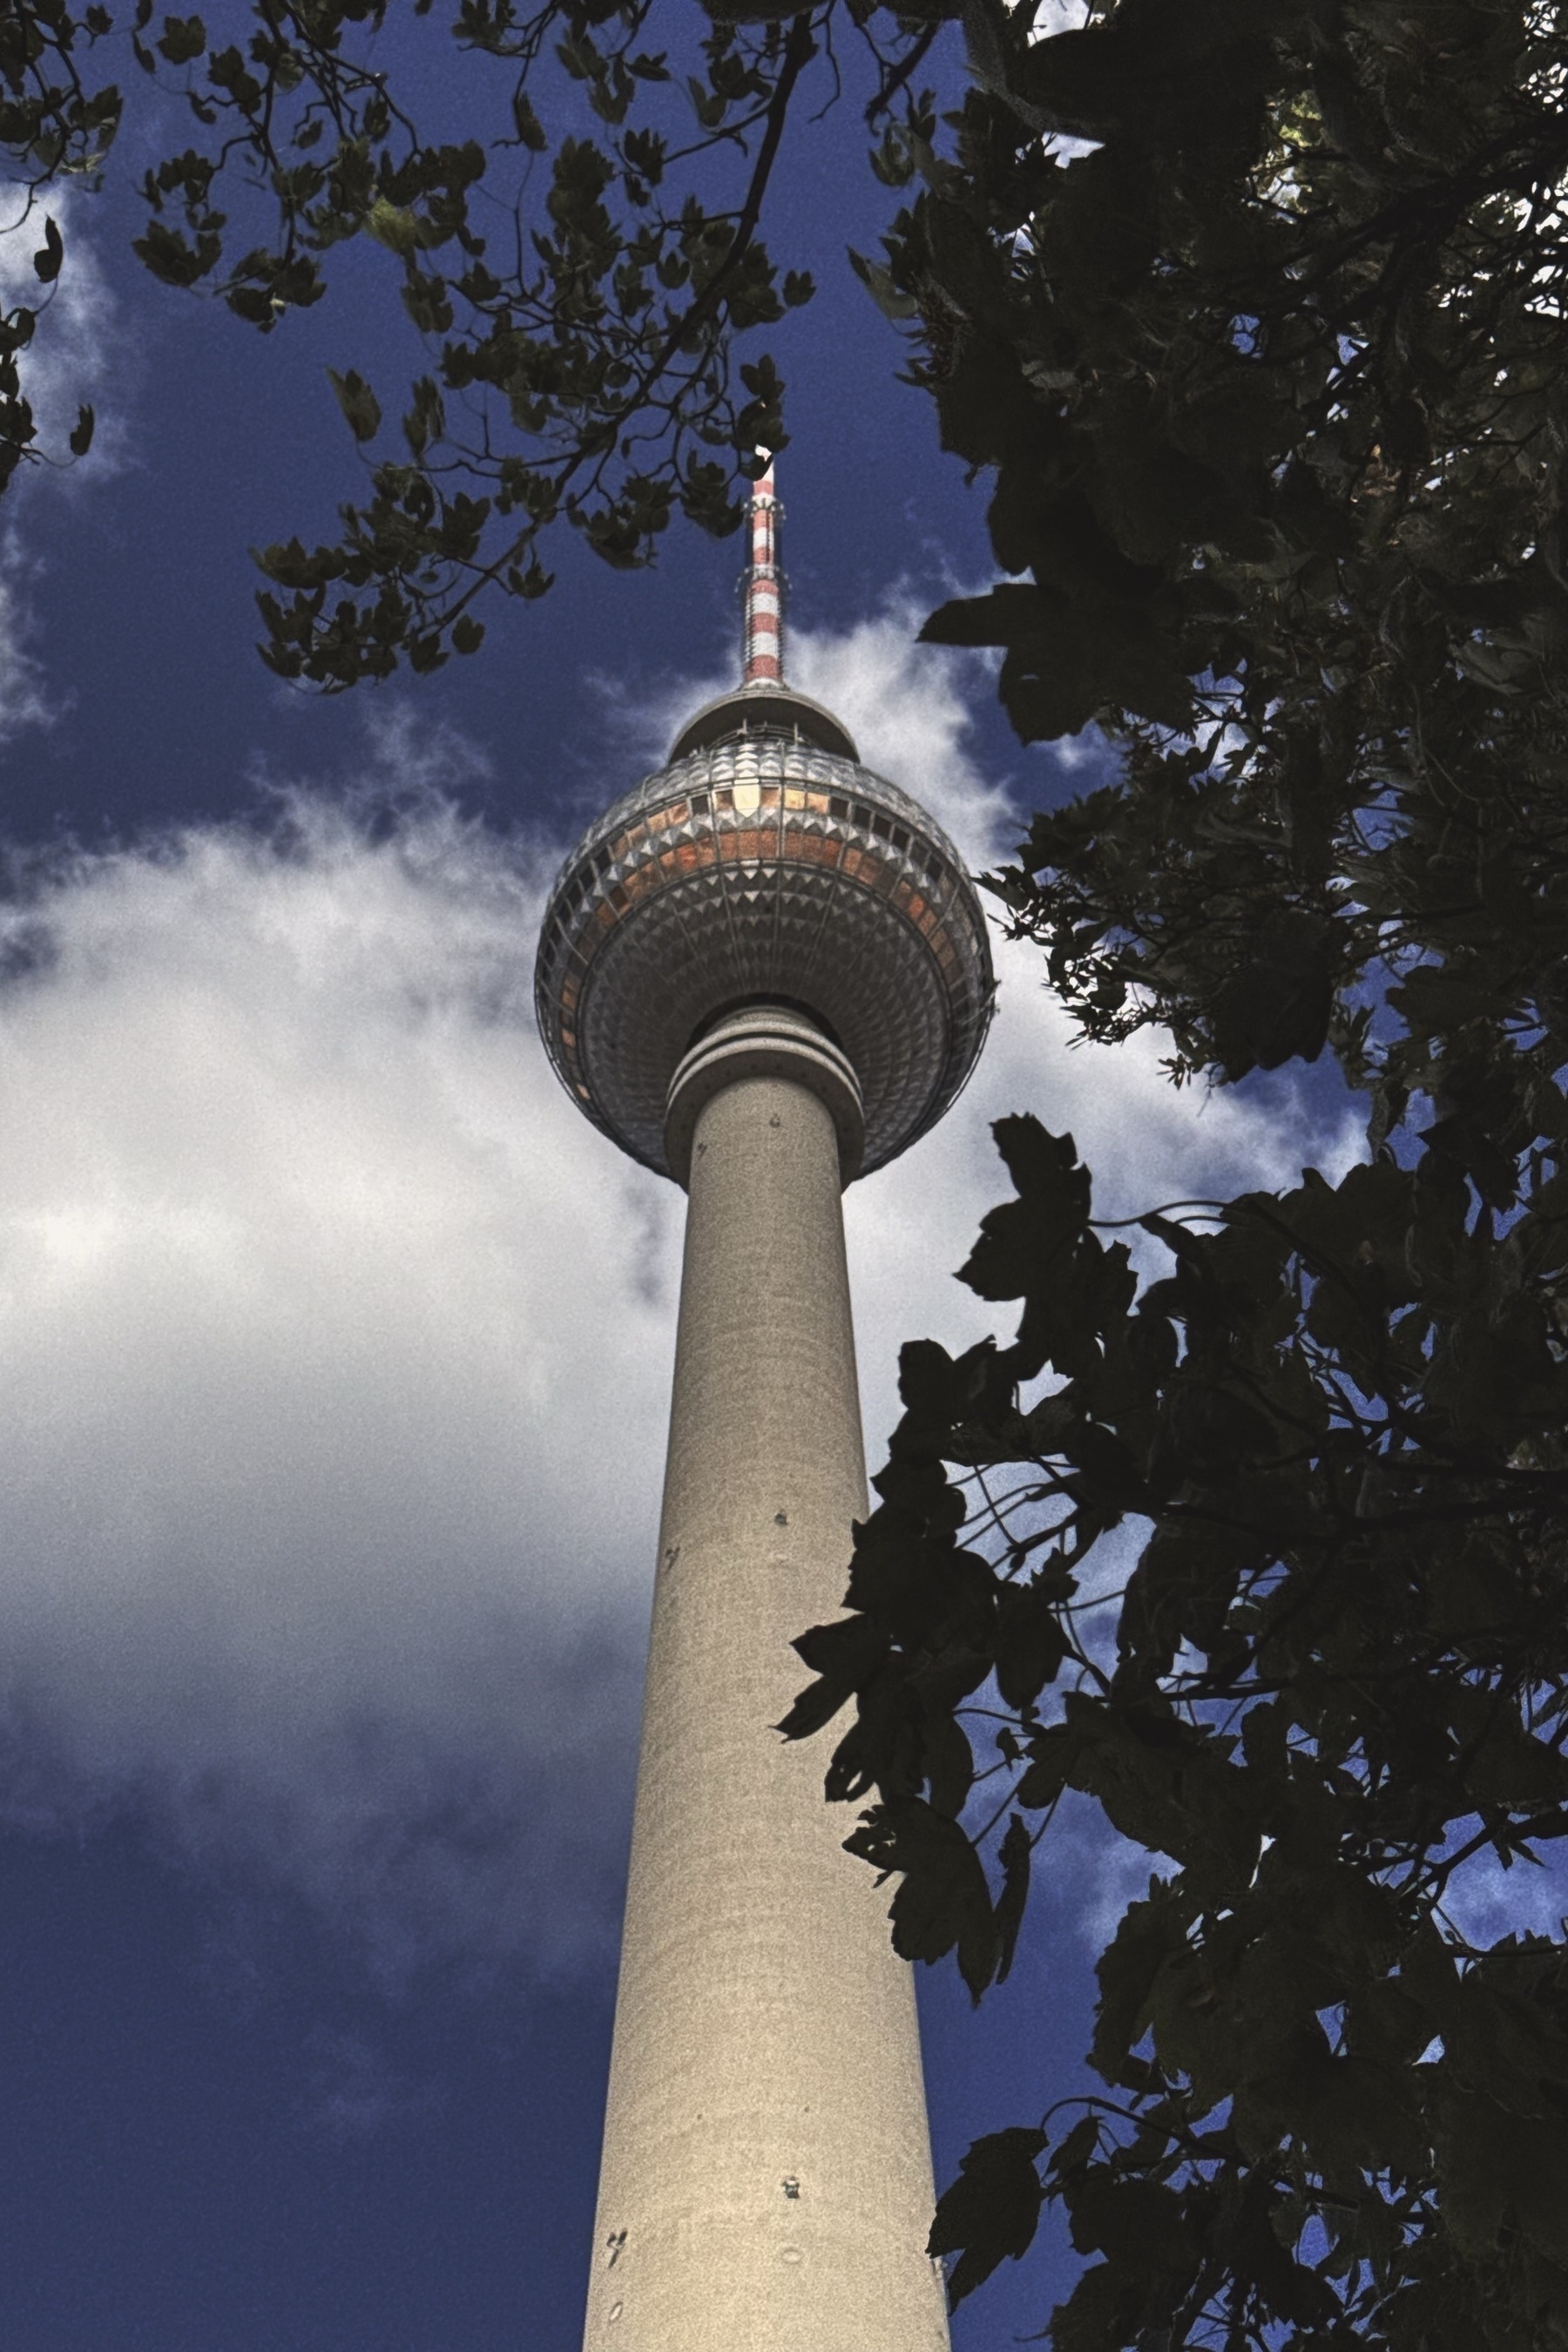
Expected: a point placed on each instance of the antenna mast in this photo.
(763, 641)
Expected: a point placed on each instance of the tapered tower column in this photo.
(766, 2183)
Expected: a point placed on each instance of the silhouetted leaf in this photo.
(47, 261)
(992, 2210)
(357, 403)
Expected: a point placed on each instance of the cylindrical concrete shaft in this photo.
(766, 2182)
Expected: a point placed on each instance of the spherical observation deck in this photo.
(763, 864)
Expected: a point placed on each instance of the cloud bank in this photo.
(334, 1346)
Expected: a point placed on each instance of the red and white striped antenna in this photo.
(762, 642)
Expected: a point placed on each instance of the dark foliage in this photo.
(1334, 1674)
(1266, 1557)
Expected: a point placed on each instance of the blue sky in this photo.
(336, 1347)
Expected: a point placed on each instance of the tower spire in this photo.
(762, 640)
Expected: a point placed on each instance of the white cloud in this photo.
(334, 1346)
(67, 365)
(69, 358)
(907, 706)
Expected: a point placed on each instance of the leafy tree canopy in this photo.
(1265, 1555)
(579, 269)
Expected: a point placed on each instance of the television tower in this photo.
(763, 972)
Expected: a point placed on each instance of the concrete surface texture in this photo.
(766, 2181)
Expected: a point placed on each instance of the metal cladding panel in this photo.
(764, 865)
